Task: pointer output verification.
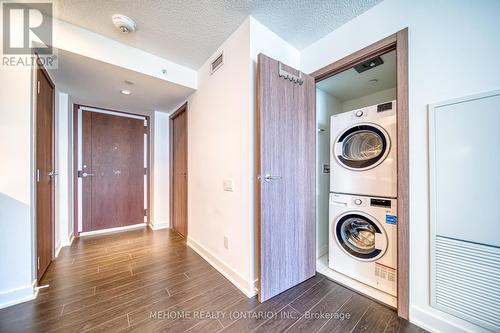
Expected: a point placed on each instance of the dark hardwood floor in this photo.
(142, 281)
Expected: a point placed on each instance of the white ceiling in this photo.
(350, 84)
(96, 83)
(189, 31)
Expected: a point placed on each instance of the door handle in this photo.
(268, 178)
(53, 174)
(84, 174)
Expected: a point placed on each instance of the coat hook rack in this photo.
(289, 76)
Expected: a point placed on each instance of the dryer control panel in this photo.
(380, 202)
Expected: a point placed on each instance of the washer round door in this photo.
(362, 147)
(360, 236)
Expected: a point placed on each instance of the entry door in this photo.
(112, 171)
(44, 171)
(286, 134)
(179, 170)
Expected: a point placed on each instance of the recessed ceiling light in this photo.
(126, 92)
(124, 23)
(129, 82)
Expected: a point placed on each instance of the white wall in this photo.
(221, 145)
(161, 166)
(16, 200)
(372, 99)
(453, 47)
(263, 40)
(326, 106)
(71, 231)
(63, 195)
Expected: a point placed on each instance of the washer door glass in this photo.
(363, 147)
(356, 234)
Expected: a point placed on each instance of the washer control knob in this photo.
(358, 202)
(359, 113)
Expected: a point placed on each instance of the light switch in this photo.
(228, 185)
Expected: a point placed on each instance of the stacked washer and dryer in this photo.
(363, 198)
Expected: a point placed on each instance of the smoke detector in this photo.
(124, 23)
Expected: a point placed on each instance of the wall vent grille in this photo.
(217, 63)
(467, 281)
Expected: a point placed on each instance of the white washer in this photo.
(363, 240)
(363, 151)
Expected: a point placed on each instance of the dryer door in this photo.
(360, 236)
(362, 147)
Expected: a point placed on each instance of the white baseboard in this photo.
(19, 295)
(58, 249)
(111, 230)
(239, 281)
(64, 242)
(67, 241)
(71, 239)
(158, 226)
(432, 321)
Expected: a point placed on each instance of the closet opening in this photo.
(362, 172)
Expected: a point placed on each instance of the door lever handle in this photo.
(52, 174)
(268, 178)
(84, 175)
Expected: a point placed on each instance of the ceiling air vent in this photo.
(217, 63)
(369, 64)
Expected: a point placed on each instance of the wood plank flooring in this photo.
(145, 281)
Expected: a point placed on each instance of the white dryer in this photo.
(363, 151)
(363, 240)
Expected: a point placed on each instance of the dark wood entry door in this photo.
(179, 150)
(112, 171)
(286, 145)
(45, 174)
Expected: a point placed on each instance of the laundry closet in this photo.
(356, 189)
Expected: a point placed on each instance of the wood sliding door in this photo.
(286, 138)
